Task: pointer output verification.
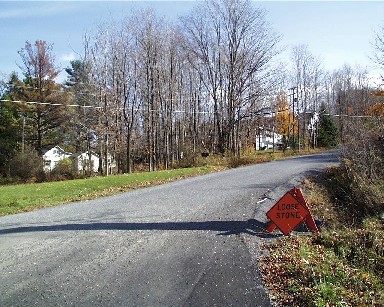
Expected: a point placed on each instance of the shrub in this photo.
(64, 170)
(363, 163)
(188, 160)
(27, 166)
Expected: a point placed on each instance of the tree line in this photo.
(147, 92)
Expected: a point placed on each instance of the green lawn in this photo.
(27, 197)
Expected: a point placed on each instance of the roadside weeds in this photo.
(343, 265)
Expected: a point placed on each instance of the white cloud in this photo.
(68, 57)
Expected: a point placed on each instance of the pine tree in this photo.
(45, 116)
(84, 119)
(327, 131)
(10, 124)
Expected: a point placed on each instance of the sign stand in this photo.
(289, 212)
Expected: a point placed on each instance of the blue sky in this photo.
(339, 32)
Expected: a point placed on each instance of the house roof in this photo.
(58, 148)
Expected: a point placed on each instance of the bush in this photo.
(188, 160)
(64, 170)
(364, 148)
(27, 166)
(363, 163)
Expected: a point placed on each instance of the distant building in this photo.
(85, 162)
(267, 139)
(82, 162)
(53, 156)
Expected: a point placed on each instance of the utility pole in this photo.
(293, 99)
(23, 136)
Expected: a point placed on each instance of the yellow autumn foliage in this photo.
(285, 121)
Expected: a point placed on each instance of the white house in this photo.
(83, 163)
(53, 156)
(267, 139)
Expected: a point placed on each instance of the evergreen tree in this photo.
(10, 124)
(85, 117)
(327, 135)
(45, 115)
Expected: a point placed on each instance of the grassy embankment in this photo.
(26, 197)
(344, 264)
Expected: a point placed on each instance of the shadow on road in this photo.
(252, 227)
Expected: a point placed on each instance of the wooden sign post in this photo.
(289, 212)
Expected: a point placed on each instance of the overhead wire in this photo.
(49, 103)
(175, 111)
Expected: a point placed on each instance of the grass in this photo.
(341, 266)
(27, 197)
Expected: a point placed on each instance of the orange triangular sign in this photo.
(290, 211)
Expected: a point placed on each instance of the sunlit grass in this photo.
(26, 197)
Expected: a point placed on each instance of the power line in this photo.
(152, 111)
(96, 107)
(50, 104)
(353, 116)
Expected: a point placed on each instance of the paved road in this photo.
(192, 242)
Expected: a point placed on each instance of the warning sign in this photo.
(289, 212)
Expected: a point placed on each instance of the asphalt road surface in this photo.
(194, 242)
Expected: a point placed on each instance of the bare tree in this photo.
(348, 94)
(307, 81)
(166, 94)
(378, 56)
(233, 46)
